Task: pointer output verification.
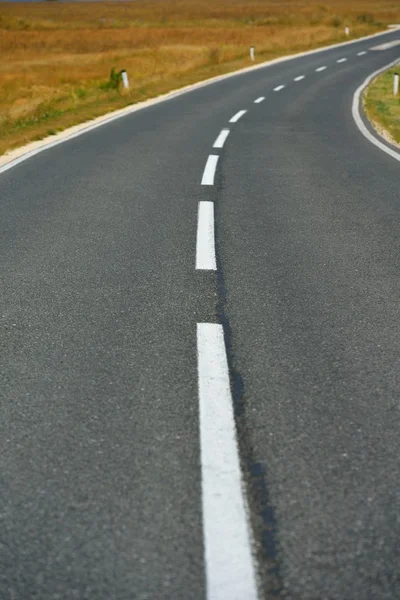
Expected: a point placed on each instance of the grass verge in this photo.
(382, 107)
(57, 58)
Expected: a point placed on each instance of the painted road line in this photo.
(299, 78)
(361, 53)
(220, 141)
(229, 564)
(238, 115)
(341, 60)
(358, 119)
(205, 241)
(260, 99)
(209, 170)
(386, 46)
(321, 69)
(279, 88)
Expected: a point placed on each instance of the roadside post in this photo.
(125, 79)
(347, 31)
(396, 84)
(252, 52)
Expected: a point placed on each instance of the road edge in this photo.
(356, 105)
(19, 155)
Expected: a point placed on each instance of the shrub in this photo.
(114, 81)
(214, 56)
(366, 18)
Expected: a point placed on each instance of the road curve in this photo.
(200, 351)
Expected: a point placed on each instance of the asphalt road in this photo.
(102, 477)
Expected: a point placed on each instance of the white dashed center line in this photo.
(205, 242)
(260, 99)
(279, 88)
(229, 565)
(361, 53)
(238, 115)
(321, 69)
(299, 78)
(209, 170)
(220, 141)
(341, 60)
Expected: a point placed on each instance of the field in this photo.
(382, 108)
(56, 58)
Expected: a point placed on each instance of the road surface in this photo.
(124, 472)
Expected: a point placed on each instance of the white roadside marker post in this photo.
(396, 84)
(125, 79)
(252, 52)
(347, 31)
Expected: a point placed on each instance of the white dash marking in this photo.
(230, 571)
(238, 115)
(341, 60)
(279, 88)
(209, 170)
(361, 53)
(220, 141)
(205, 242)
(321, 69)
(260, 99)
(299, 78)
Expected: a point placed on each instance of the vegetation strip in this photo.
(383, 108)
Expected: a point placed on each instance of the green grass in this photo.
(381, 106)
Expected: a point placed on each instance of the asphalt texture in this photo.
(100, 491)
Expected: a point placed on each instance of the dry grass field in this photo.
(56, 58)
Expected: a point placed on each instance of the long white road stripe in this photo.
(220, 141)
(299, 78)
(260, 99)
(205, 241)
(341, 60)
(387, 45)
(237, 116)
(209, 170)
(361, 53)
(279, 88)
(230, 570)
(320, 69)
